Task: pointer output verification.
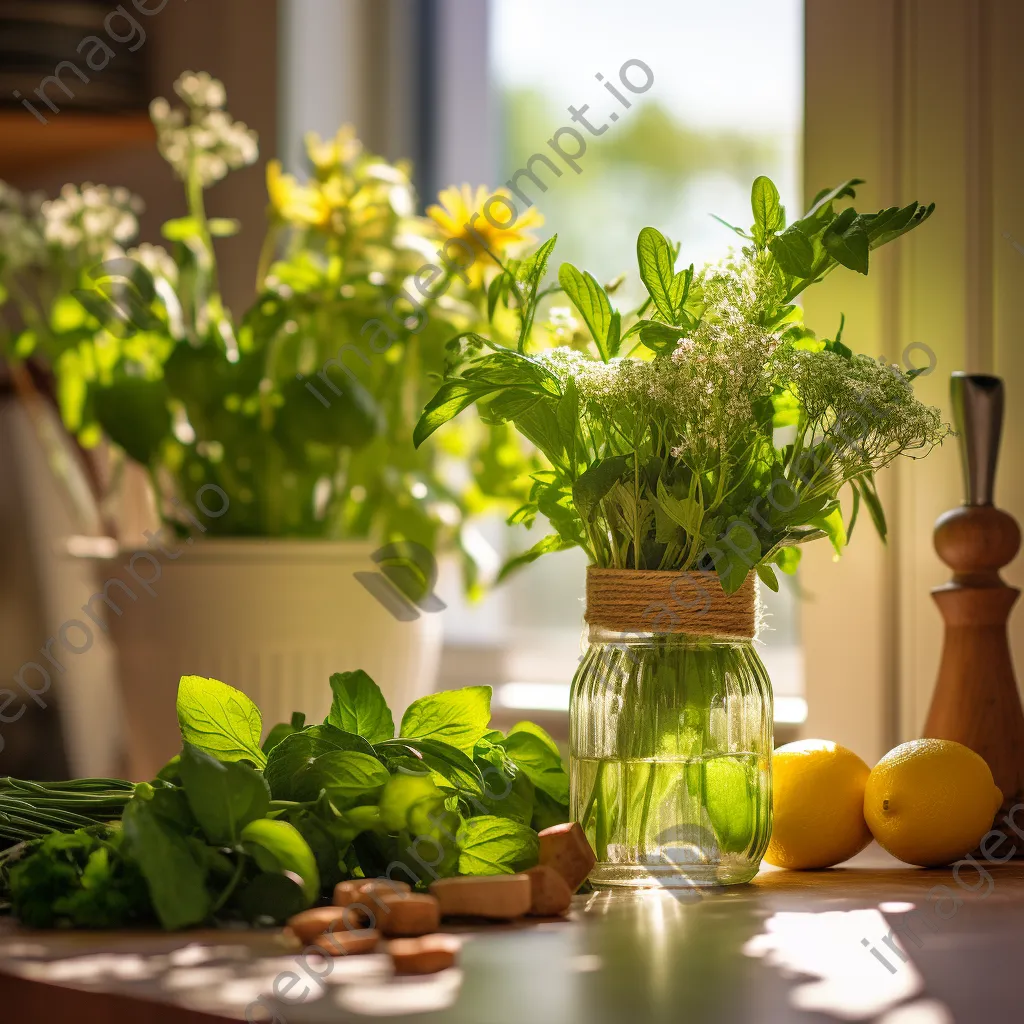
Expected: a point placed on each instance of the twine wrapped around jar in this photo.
(649, 601)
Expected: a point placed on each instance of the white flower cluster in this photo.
(21, 239)
(701, 398)
(729, 361)
(704, 391)
(863, 408)
(619, 383)
(203, 140)
(94, 220)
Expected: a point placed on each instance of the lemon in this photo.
(818, 801)
(929, 802)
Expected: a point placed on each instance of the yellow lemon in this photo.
(929, 802)
(818, 801)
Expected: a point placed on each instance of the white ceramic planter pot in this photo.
(273, 618)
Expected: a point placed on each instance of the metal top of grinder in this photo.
(978, 416)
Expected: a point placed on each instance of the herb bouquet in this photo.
(691, 444)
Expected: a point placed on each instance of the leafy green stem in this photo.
(232, 885)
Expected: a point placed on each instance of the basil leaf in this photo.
(832, 525)
(224, 797)
(171, 805)
(444, 762)
(171, 772)
(489, 845)
(543, 735)
(456, 717)
(278, 846)
(219, 720)
(769, 216)
(793, 252)
(767, 576)
(401, 794)
(175, 878)
(282, 729)
(347, 775)
(592, 303)
(538, 761)
(291, 761)
(356, 820)
(737, 551)
(452, 397)
(359, 707)
(654, 255)
(318, 825)
(505, 797)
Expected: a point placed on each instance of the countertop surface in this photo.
(871, 941)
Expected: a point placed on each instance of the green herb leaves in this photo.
(593, 304)
(348, 777)
(360, 707)
(214, 838)
(657, 270)
(84, 880)
(824, 238)
(219, 720)
(456, 717)
(173, 866)
(224, 796)
(292, 766)
(769, 215)
(846, 240)
(279, 847)
(533, 751)
(677, 314)
(496, 846)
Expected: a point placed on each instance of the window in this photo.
(722, 107)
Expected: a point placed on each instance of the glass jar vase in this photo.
(670, 744)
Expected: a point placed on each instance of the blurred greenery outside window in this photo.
(725, 106)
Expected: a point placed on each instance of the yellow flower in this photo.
(294, 202)
(483, 220)
(328, 154)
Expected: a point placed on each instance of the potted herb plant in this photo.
(692, 445)
(277, 443)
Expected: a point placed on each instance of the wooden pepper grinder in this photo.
(976, 701)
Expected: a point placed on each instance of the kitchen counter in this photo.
(871, 941)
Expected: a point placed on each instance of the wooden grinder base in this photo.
(976, 700)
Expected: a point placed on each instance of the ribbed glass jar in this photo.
(670, 744)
